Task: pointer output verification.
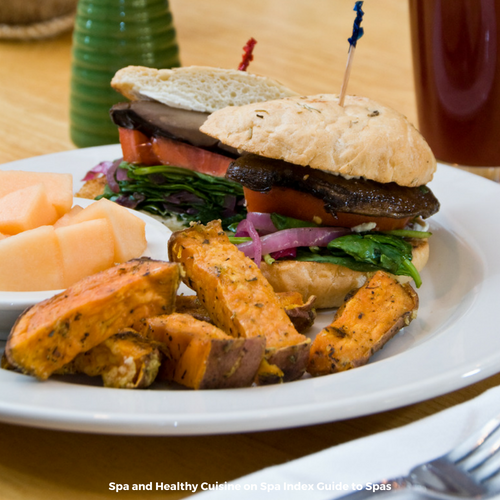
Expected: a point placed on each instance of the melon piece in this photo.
(31, 261)
(129, 232)
(87, 248)
(25, 209)
(67, 218)
(59, 186)
(3, 236)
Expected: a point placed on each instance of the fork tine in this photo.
(482, 453)
(493, 482)
(487, 470)
(472, 443)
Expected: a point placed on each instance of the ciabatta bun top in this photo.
(198, 88)
(361, 139)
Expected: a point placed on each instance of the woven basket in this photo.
(35, 19)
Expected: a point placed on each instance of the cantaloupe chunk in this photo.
(129, 232)
(59, 186)
(31, 261)
(87, 248)
(25, 209)
(67, 218)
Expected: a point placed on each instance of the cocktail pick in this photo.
(247, 54)
(357, 33)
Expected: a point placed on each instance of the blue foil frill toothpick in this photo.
(357, 30)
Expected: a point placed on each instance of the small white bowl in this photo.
(12, 304)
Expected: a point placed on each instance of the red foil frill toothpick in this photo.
(247, 54)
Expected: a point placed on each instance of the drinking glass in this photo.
(456, 58)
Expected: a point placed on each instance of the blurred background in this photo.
(301, 43)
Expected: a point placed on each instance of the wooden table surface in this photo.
(303, 44)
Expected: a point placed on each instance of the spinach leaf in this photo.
(408, 233)
(167, 190)
(368, 252)
(390, 253)
(283, 222)
(341, 259)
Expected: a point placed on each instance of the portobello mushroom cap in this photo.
(339, 194)
(159, 120)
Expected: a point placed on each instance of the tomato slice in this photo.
(304, 206)
(136, 147)
(139, 149)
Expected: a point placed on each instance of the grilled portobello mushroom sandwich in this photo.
(169, 168)
(333, 193)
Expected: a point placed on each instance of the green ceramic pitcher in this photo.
(109, 35)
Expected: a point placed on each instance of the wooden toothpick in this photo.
(357, 33)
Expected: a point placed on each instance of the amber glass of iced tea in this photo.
(456, 57)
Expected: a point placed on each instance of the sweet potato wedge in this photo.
(367, 319)
(52, 333)
(125, 360)
(238, 298)
(202, 356)
(4, 363)
(269, 373)
(302, 315)
(191, 304)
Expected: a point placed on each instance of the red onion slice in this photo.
(100, 168)
(121, 173)
(111, 171)
(293, 238)
(110, 178)
(262, 222)
(247, 228)
(229, 205)
(287, 253)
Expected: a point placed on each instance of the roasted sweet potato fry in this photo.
(269, 373)
(52, 333)
(302, 315)
(190, 304)
(238, 298)
(363, 324)
(4, 363)
(202, 356)
(125, 360)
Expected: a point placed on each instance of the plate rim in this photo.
(259, 420)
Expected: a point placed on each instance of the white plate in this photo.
(12, 304)
(454, 342)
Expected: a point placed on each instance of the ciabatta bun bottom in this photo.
(330, 283)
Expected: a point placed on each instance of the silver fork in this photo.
(471, 470)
